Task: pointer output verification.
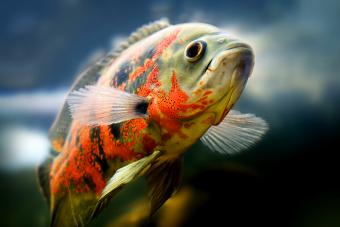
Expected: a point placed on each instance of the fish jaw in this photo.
(228, 73)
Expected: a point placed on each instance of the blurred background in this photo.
(289, 179)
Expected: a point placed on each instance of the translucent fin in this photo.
(95, 105)
(235, 133)
(127, 173)
(163, 179)
(62, 122)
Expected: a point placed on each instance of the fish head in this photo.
(205, 70)
(227, 66)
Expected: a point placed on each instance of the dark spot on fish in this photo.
(142, 107)
(81, 149)
(140, 80)
(123, 74)
(101, 159)
(94, 132)
(77, 140)
(104, 166)
(122, 77)
(115, 130)
(148, 53)
(88, 181)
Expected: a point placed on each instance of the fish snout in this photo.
(233, 65)
(244, 58)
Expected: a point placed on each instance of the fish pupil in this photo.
(193, 50)
(142, 107)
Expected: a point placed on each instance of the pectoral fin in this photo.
(235, 133)
(95, 105)
(163, 178)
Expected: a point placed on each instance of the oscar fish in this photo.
(136, 111)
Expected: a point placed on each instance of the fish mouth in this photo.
(232, 68)
(241, 52)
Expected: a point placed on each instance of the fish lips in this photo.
(237, 55)
(232, 68)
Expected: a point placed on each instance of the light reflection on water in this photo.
(23, 147)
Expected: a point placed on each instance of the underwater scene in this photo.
(169, 113)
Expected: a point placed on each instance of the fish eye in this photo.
(195, 50)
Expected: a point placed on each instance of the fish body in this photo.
(136, 112)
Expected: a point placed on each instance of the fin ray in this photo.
(235, 133)
(96, 106)
(127, 173)
(163, 179)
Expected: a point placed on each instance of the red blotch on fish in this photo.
(148, 63)
(80, 164)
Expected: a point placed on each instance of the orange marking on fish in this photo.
(207, 93)
(198, 91)
(115, 148)
(57, 144)
(202, 99)
(151, 83)
(178, 100)
(188, 124)
(166, 108)
(170, 105)
(172, 125)
(80, 164)
(133, 127)
(208, 121)
(141, 69)
(166, 42)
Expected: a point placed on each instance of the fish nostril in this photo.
(222, 40)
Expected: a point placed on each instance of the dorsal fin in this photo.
(61, 125)
(141, 33)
